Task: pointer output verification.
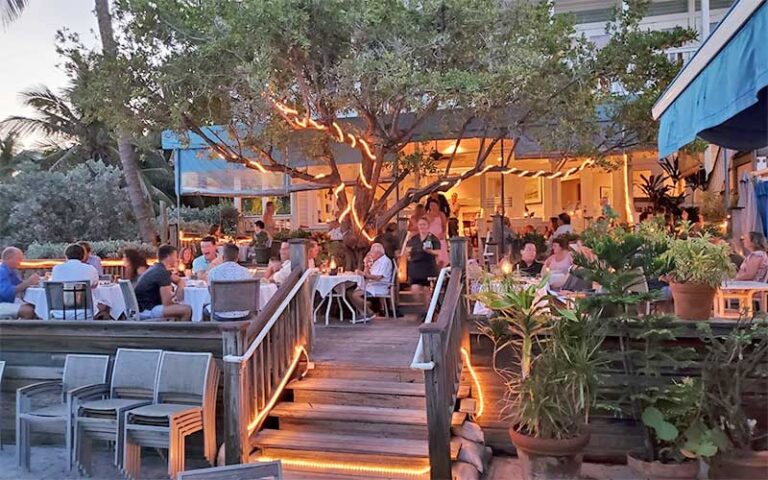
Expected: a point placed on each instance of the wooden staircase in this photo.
(349, 421)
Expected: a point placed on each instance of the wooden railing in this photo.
(277, 341)
(442, 362)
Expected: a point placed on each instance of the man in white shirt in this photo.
(378, 277)
(74, 270)
(229, 270)
(281, 274)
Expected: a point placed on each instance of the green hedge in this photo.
(104, 249)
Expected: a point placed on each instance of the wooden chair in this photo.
(184, 403)
(69, 300)
(79, 371)
(2, 371)
(233, 300)
(131, 303)
(388, 299)
(99, 410)
(247, 471)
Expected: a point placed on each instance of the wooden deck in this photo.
(382, 342)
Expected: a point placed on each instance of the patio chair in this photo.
(79, 371)
(99, 410)
(131, 303)
(2, 371)
(251, 471)
(69, 300)
(233, 300)
(184, 403)
(387, 299)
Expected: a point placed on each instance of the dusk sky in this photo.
(27, 51)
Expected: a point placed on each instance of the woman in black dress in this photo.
(423, 249)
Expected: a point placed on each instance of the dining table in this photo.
(329, 286)
(197, 296)
(744, 293)
(108, 294)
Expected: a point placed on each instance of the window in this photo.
(257, 205)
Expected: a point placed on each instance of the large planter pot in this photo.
(693, 301)
(662, 471)
(548, 459)
(739, 465)
(261, 255)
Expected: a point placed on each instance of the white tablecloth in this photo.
(197, 297)
(109, 295)
(324, 284)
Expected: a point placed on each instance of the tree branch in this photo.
(404, 138)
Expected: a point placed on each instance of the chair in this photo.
(99, 410)
(233, 300)
(184, 403)
(79, 371)
(388, 299)
(131, 303)
(250, 471)
(69, 300)
(2, 371)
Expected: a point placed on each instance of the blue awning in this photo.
(720, 95)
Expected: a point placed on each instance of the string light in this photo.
(297, 353)
(350, 467)
(337, 191)
(477, 390)
(345, 213)
(363, 179)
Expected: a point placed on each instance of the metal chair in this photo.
(233, 300)
(131, 303)
(251, 471)
(2, 371)
(184, 403)
(388, 298)
(69, 300)
(99, 410)
(79, 371)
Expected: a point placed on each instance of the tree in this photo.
(10, 10)
(288, 73)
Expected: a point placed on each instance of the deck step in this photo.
(352, 420)
(352, 371)
(359, 393)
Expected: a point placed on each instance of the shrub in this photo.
(201, 219)
(104, 249)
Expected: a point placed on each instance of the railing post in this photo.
(236, 419)
(459, 252)
(439, 427)
(302, 307)
(459, 255)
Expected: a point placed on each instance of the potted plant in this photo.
(697, 268)
(260, 248)
(733, 369)
(550, 396)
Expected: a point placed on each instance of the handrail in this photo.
(418, 355)
(272, 320)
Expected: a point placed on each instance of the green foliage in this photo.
(101, 248)
(699, 260)
(201, 219)
(86, 202)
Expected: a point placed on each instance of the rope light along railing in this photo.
(418, 356)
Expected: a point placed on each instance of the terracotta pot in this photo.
(740, 465)
(663, 471)
(549, 459)
(693, 301)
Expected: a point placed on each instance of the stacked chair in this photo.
(184, 403)
(99, 410)
(79, 371)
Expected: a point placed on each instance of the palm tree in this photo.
(7, 155)
(10, 10)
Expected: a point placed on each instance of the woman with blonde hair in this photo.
(755, 265)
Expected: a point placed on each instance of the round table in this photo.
(199, 296)
(109, 295)
(326, 286)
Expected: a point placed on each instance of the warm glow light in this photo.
(352, 140)
(506, 267)
(487, 167)
(333, 263)
(453, 147)
(367, 235)
(367, 148)
(511, 170)
(355, 217)
(316, 125)
(287, 376)
(338, 190)
(350, 467)
(523, 173)
(627, 191)
(258, 166)
(50, 263)
(363, 179)
(339, 133)
(320, 175)
(345, 212)
(477, 390)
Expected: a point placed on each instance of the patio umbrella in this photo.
(751, 221)
(760, 188)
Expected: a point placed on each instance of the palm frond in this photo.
(10, 10)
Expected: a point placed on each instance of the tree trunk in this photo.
(129, 159)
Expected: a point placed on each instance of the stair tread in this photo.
(359, 386)
(330, 442)
(319, 411)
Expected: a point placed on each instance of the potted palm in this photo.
(551, 393)
(697, 268)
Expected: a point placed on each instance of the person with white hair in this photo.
(377, 277)
(12, 287)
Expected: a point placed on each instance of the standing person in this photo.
(12, 288)
(453, 222)
(413, 222)
(260, 236)
(755, 265)
(269, 219)
(215, 231)
(208, 259)
(90, 259)
(135, 264)
(437, 226)
(154, 292)
(422, 251)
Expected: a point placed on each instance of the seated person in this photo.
(559, 264)
(208, 258)
(755, 265)
(74, 269)
(12, 288)
(313, 251)
(280, 274)
(154, 292)
(90, 259)
(528, 265)
(260, 235)
(378, 277)
(229, 270)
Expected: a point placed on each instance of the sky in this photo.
(27, 51)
